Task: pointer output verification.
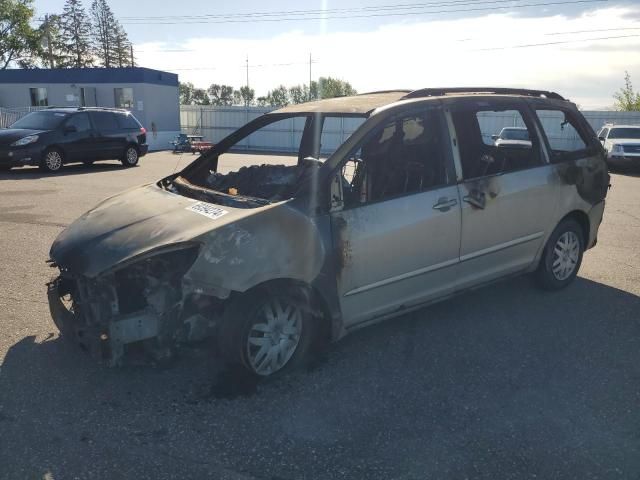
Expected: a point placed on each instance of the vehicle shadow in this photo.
(503, 382)
(30, 173)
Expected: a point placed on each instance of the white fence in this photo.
(215, 123)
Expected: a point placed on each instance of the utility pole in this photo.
(309, 75)
(247, 61)
(49, 46)
(131, 48)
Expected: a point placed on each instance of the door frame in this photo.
(335, 188)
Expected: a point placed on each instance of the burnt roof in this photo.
(366, 102)
(357, 104)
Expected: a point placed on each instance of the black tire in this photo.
(559, 265)
(131, 156)
(52, 160)
(246, 312)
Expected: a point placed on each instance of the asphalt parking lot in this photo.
(506, 382)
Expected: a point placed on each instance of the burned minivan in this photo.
(269, 261)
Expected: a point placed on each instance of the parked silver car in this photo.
(271, 261)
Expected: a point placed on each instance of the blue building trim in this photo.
(89, 75)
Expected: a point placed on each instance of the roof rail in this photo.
(104, 108)
(439, 92)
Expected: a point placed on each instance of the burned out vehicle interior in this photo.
(269, 261)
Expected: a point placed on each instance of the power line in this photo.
(593, 31)
(507, 47)
(287, 13)
(386, 14)
(529, 45)
(245, 66)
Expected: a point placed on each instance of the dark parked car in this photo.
(50, 138)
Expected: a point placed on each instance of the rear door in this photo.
(398, 233)
(508, 191)
(79, 138)
(109, 141)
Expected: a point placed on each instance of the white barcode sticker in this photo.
(207, 210)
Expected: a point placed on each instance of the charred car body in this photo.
(416, 205)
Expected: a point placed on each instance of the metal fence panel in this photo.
(11, 115)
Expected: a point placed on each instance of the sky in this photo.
(579, 48)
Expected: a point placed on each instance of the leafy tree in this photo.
(75, 35)
(104, 31)
(200, 97)
(262, 101)
(299, 94)
(244, 96)
(19, 42)
(332, 87)
(220, 94)
(627, 99)
(186, 93)
(278, 97)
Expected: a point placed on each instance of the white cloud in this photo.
(462, 52)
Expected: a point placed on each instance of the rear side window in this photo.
(128, 122)
(494, 140)
(104, 121)
(565, 137)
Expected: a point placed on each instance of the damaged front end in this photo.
(143, 306)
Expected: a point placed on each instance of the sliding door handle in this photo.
(445, 204)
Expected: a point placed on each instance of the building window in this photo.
(38, 97)
(124, 97)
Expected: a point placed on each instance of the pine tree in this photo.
(122, 47)
(104, 32)
(53, 50)
(76, 35)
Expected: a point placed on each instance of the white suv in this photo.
(622, 143)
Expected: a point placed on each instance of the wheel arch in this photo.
(583, 220)
(57, 147)
(318, 304)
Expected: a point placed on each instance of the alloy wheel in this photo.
(132, 156)
(274, 337)
(566, 254)
(53, 160)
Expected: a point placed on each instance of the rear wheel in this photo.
(52, 161)
(267, 331)
(562, 256)
(131, 156)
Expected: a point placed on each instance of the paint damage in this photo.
(133, 283)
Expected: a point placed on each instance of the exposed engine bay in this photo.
(144, 306)
(269, 182)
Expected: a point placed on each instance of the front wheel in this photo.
(267, 331)
(562, 256)
(131, 157)
(52, 161)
